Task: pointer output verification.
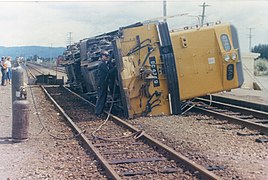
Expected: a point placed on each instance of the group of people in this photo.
(6, 70)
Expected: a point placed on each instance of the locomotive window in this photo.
(230, 72)
(225, 42)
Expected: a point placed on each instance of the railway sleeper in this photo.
(233, 113)
(245, 117)
(111, 152)
(113, 144)
(209, 107)
(220, 110)
(213, 168)
(261, 140)
(249, 134)
(264, 121)
(137, 160)
(164, 170)
(76, 107)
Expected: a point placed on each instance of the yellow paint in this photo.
(201, 67)
(199, 55)
(130, 73)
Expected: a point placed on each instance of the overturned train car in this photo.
(156, 68)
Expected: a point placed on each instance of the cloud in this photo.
(45, 23)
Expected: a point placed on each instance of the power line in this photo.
(50, 52)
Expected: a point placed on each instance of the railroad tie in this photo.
(220, 110)
(261, 140)
(165, 170)
(125, 151)
(136, 160)
(264, 121)
(248, 134)
(246, 117)
(233, 113)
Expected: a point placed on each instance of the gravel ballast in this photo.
(206, 141)
(45, 157)
(211, 143)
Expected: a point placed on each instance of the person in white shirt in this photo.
(9, 70)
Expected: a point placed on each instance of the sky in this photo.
(47, 23)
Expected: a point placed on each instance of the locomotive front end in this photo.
(208, 60)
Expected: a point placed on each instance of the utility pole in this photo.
(50, 54)
(250, 37)
(203, 13)
(165, 9)
(69, 38)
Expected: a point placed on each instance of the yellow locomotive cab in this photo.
(206, 60)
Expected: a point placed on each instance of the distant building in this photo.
(39, 61)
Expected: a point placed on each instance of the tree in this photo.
(261, 65)
(262, 49)
(35, 57)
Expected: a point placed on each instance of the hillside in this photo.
(28, 51)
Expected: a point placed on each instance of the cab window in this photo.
(225, 42)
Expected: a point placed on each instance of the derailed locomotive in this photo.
(156, 68)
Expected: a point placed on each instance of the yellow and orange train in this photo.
(158, 68)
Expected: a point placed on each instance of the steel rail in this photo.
(109, 170)
(235, 120)
(203, 172)
(28, 71)
(237, 102)
(249, 111)
(35, 69)
(54, 68)
(59, 70)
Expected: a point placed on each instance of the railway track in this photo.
(123, 150)
(242, 103)
(54, 68)
(59, 69)
(33, 71)
(36, 69)
(43, 75)
(246, 117)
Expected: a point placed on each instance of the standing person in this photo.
(9, 70)
(102, 83)
(112, 77)
(3, 70)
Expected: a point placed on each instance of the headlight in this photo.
(234, 56)
(226, 57)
